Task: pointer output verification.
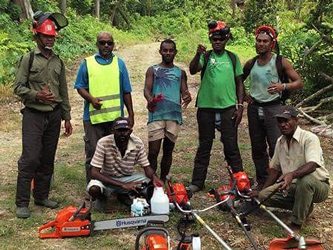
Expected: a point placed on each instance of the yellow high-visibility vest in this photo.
(104, 84)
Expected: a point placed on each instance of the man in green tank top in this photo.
(220, 95)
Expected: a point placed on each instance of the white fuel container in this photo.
(159, 202)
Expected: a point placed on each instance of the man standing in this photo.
(165, 87)
(103, 82)
(113, 163)
(298, 163)
(220, 94)
(269, 76)
(41, 84)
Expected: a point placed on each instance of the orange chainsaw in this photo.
(73, 222)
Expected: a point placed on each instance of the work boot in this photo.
(194, 188)
(47, 203)
(22, 212)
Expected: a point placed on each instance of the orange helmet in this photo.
(47, 28)
(218, 27)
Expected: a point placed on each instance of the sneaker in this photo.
(47, 203)
(194, 188)
(22, 212)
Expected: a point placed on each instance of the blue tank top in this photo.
(261, 76)
(167, 81)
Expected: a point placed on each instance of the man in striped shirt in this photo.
(113, 164)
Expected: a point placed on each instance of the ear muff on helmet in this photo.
(218, 27)
(42, 22)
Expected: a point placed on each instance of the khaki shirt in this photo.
(43, 72)
(304, 147)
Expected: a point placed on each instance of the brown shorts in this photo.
(159, 129)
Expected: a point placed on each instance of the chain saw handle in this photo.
(47, 225)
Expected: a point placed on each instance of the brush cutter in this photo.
(238, 182)
(240, 191)
(179, 196)
(294, 240)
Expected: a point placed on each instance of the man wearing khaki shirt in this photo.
(298, 167)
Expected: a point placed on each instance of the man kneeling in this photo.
(113, 164)
(297, 162)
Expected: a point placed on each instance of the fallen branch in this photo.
(310, 118)
(319, 92)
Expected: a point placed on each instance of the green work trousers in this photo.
(299, 198)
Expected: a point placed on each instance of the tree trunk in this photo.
(63, 6)
(26, 10)
(97, 8)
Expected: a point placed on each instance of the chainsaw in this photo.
(73, 222)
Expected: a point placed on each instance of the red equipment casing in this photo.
(67, 225)
(178, 193)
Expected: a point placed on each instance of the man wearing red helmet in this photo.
(41, 84)
(267, 84)
(220, 95)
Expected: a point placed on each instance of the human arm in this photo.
(239, 93)
(246, 72)
(129, 106)
(150, 173)
(148, 90)
(306, 169)
(296, 80)
(96, 174)
(186, 96)
(195, 62)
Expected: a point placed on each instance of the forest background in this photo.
(305, 37)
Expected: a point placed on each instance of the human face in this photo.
(287, 126)
(105, 45)
(168, 53)
(263, 44)
(122, 135)
(219, 42)
(46, 41)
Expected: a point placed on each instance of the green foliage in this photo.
(45, 5)
(259, 13)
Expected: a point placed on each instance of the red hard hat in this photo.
(47, 28)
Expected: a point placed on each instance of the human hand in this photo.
(286, 180)
(186, 99)
(274, 88)
(68, 128)
(254, 193)
(96, 102)
(131, 186)
(237, 117)
(45, 95)
(201, 49)
(157, 181)
(248, 99)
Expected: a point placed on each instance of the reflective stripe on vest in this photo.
(104, 84)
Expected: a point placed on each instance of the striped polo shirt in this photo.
(108, 158)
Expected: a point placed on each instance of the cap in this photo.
(287, 112)
(121, 123)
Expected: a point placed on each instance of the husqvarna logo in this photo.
(71, 229)
(120, 223)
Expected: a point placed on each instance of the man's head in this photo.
(219, 34)
(122, 130)
(105, 44)
(168, 51)
(287, 120)
(45, 27)
(266, 39)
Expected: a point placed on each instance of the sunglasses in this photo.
(215, 39)
(105, 42)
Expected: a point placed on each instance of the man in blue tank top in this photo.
(166, 92)
(264, 97)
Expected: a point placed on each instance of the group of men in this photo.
(112, 150)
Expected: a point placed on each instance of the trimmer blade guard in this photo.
(293, 244)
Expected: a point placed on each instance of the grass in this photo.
(69, 188)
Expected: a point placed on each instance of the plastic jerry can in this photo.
(159, 202)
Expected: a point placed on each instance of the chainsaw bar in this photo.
(128, 222)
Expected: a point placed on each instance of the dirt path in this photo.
(69, 181)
